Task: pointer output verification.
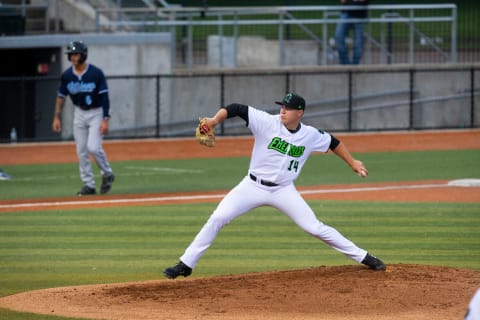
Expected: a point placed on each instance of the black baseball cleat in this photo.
(86, 191)
(374, 263)
(107, 182)
(180, 269)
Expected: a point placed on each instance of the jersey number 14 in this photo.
(293, 165)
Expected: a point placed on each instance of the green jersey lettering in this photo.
(282, 146)
(296, 151)
(279, 145)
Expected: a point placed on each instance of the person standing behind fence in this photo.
(87, 87)
(344, 27)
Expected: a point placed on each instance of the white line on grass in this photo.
(362, 189)
(206, 197)
(108, 201)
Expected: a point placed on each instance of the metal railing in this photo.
(24, 8)
(394, 33)
(395, 98)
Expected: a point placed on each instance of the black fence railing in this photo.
(338, 100)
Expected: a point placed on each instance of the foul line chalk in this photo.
(208, 197)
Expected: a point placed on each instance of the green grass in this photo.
(60, 180)
(101, 245)
(46, 249)
(5, 314)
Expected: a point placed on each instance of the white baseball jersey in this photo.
(277, 159)
(279, 155)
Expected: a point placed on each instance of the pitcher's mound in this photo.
(345, 292)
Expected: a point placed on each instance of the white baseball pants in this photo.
(248, 195)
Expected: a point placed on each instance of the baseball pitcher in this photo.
(282, 145)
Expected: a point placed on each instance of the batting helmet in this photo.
(77, 47)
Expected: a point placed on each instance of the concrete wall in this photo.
(380, 96)
(448, 112)
(254, 51)
(75, 16)
(145, 90)
(374, 91)
(125, 54)
(131, 100)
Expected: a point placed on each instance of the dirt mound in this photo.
(345, 292)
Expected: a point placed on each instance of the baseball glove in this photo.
(205, 134)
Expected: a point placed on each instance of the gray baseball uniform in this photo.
(88, 139)
(87, 87)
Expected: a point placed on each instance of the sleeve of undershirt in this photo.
(237, 109)
(334, 142)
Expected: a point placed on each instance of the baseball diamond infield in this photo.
(343, 292)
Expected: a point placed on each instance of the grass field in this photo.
(45, 249)
(133, 177)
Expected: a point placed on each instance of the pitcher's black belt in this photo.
(265, 183)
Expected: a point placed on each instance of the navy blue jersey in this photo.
(88, 90)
